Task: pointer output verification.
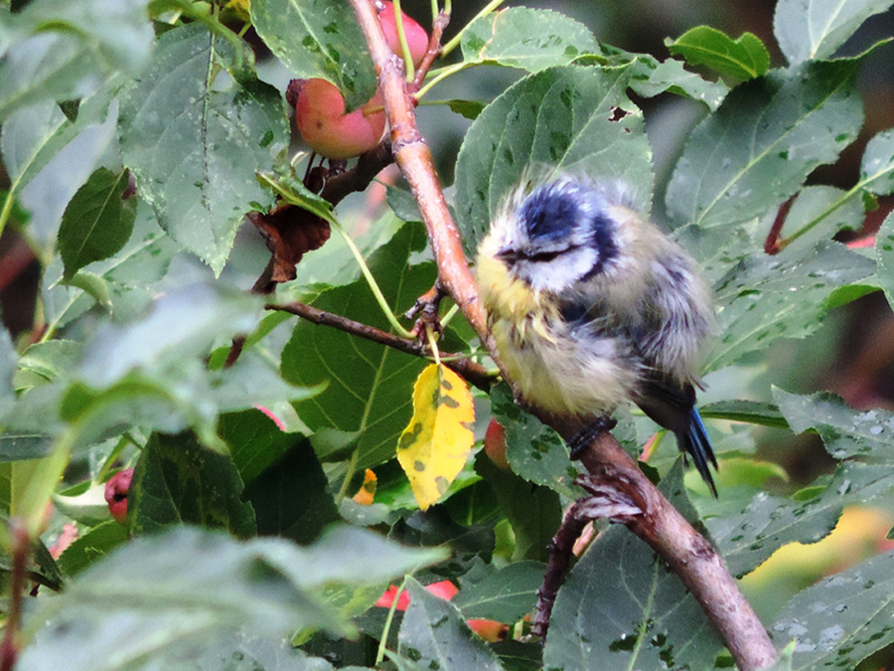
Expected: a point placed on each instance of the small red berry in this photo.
(495, 445)
(116, 493)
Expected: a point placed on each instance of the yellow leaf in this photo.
(367, 490)
(241, 7)
(434, 447)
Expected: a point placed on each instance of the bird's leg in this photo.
(587, 435)
(605, 500)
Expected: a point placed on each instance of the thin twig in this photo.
(473, 372)
(21, 551)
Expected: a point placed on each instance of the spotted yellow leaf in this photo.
(241, 7)
(434, 447)
(367, 490)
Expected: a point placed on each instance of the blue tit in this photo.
(591, 306)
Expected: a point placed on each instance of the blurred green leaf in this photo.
(8, 362)
(47, 154)
(744, 58)
(763, 141)
(842, 619)
(877, 166)
(530, 39)
(92, 546)
(64, 50)
(255, 441)
(622, 608)
(178, 480)
(884, 249)
(819, 212)
(194, 146)
(183, 592)
(434, 635)
(97, 221)
(505, 595)
(751, 412)
(318, 38)
(815, 29)
(370, 385)
(568, 118)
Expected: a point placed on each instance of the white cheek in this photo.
(560, 273)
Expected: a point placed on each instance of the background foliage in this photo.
(131, 136)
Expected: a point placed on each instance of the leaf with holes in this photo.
(318, 38)
(194, 148)
(530, 39)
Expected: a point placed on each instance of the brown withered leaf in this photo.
(290, 233)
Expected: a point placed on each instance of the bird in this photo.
(591, 306)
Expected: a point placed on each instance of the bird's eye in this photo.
(544, 257)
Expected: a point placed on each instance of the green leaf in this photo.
(767, 136)
(291, 498)
(815, 29)
(846, 433)
(130, 276)
(434, 635)
(884, 250)
(255, 441)
(621, 607)
(63, 51)
(370, 386)
(178, 594)
(651, 77)
(505, 595)
(470, 109)
(92, 546)
(744, 58)
(534, 451)
(567, 118)
(530, 39)
(765, 297)
(8, 362)
(750, 412)
(194, 148)
(181, 326)
(178, 480)
(318, 38)
(819, 212)
(842, 619)
(534, 512)
(46, 153)
(97, 221)
(877, 166)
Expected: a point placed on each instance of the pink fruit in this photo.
(321, 119)
(495, 445)
(417, 38)
(117, 489)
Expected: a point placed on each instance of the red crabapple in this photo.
(321, 119)
(417, 38)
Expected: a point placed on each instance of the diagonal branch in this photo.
(688, 553)
(471, 371)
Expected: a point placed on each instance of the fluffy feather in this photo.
(591, 306)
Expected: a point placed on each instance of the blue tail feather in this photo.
(695, 443)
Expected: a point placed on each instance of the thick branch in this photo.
(471, 371)
(415, 160)
(661, 526)
(689, 555)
